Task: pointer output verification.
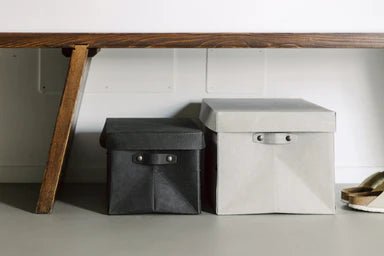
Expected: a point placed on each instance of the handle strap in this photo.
(154, 158)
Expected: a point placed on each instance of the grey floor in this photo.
(79, 226)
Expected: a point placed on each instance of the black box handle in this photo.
(154, 158)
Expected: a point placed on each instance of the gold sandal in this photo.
(368, 185)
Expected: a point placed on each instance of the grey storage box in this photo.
(269, 156)
(153, 165)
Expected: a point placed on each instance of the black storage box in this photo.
(154, 165)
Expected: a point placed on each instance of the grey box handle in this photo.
(274, 138)
(154, 158)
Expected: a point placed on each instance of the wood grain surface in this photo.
(64, 128)
(192, 40)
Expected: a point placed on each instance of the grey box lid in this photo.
(266, 115)
(151, 134)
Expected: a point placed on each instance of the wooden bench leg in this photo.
(64, 128)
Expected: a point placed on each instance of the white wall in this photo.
(192, 16)
(164, 82)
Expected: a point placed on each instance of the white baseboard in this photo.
(31, 174)
(34, 174)
(355, 174)
(21, 174)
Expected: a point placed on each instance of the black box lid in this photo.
(151, 134)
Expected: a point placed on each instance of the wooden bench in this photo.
(81, 47)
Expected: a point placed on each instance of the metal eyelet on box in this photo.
(274, 138)
(169, 159)
(139, 158)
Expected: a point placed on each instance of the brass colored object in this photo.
(373, 183)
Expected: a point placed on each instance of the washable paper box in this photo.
(269, 156)
(154, 165)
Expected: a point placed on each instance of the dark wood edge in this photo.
(67, 52)
(192, 40)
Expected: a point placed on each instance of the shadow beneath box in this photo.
(22, 196)
(88, 196)
(191, 110)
